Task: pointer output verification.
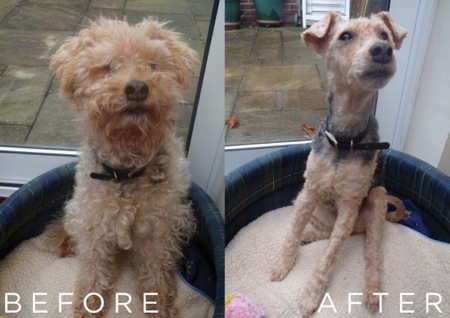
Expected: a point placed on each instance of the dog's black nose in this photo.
(136, 91)
(381, 53)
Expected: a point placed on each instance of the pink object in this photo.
(242, 306)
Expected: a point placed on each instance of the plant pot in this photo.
(232, 13)
(269, 12)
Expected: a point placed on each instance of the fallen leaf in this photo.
(309, 130)
(233, 122)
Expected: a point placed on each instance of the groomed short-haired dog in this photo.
(339, 196)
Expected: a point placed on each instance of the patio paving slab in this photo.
(108, 4)
(6, 6)
(266, 56)
(161, 6)
(22, 90)
(274, 83)
(29, 48)
(32, 30)
(14, 134)
(263, 126)
(201, 10)
(305, 100)
(51, 16)
(55, 124)
(280, 78)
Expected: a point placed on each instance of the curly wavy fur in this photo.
(146, 219)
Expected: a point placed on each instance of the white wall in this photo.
(429, 127)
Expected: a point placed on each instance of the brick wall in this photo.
(358, 8)
(248, 13)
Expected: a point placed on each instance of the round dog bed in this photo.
(25, 213)
(274, 180)
(258, 202)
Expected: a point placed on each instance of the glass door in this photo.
(37, 126)
(276, 85)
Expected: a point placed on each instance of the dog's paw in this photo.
(311, 298)
(372, 295)
(308, 306)
(278, 274)
(372, 302)
(282, 268)
(280, 271)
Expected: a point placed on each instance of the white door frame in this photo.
(396, 101)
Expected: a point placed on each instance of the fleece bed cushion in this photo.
(30, 269)
(416, 271)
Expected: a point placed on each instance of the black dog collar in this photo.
(353, 144)
(117, 175)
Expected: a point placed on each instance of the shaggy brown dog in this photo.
(339, 197)
(131, 179)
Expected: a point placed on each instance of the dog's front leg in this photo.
(374, 212)
(318, 282)
(303, 208)
(95, 281)
(157, 282)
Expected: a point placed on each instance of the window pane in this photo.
(275, 84)
(32, 113)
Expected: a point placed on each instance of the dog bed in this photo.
(273, 181)
(28, 268)
(415, 271)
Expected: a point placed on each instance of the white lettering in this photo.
(35, 302)
(118, 303)
(331, 305)
(428, 303)
(61, 302)
(16, 303)
(93, 311)
(145, 303)
(405, 311)
(380, 306)
(350, 302)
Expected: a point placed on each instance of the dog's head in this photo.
(125, 80)
(357, 52)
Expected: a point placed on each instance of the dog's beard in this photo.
(376, 79)
(133, 133)
(371, 76)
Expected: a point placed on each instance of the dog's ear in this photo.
(398, 33)
(63, 62)
(184, 58)
(318, 35)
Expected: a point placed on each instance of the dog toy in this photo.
(242, 306)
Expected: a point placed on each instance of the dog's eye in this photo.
(345, 36)
(384, 36)
(110, 67)
(104, 69)
(153, 66)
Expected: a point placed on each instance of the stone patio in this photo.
(30, 32)
(273, 83)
